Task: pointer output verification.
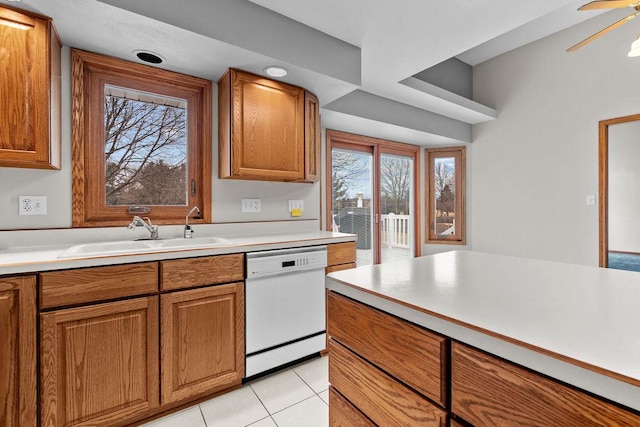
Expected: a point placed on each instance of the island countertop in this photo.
(578, 324)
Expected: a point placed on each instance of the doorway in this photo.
(373, 192)
(619, 193)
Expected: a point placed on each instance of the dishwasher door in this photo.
(285, 307)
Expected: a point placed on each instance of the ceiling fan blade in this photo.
(608, 4)
(602, 32)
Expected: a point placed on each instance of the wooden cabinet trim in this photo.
(410, 353)
(192, 272)
(179, 311)
(63, 360)
(92, 284)
(481, 383)
(18, 350)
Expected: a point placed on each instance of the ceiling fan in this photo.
(609, 4)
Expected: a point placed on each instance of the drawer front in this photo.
(193, 272)
(84, 285)
(343, 414)
(340, 267)
(490, 391)
(380, 397)
(341, 253)
(411, 354)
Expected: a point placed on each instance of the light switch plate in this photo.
(32, 205)
(251, 205)
(296, 204)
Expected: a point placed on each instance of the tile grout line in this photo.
(202, 415)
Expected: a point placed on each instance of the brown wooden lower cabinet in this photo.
(488, 391)
(99, 364)
(202, 341)
(18, 351)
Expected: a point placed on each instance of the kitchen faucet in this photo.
(153, 229)
(188, 232)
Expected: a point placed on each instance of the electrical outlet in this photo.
(591, 199)
(251, 205)
(32, 205)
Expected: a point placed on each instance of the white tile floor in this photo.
(294, 397)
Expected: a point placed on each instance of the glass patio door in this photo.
(397, 215)
(373, 194)
(352, 202)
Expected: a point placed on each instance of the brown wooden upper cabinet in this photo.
(29, 91)
(267, 130)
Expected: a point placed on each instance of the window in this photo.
(445, 197)
(141, 140)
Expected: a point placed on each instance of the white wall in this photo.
(533, 166)
(56, 185)
(624, 188)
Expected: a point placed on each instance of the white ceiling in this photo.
(331, 47)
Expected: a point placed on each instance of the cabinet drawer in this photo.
(343, 414)
(341, 253)
(410, 353)
(83, 285)
(380, 397)
(340, 267)
(486, 389)
(192, 272)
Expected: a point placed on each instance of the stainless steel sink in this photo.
(142, 246)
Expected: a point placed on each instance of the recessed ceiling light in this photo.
(15, 1)
(148, 56)
(276, 71)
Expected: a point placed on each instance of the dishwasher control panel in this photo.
(281, 262)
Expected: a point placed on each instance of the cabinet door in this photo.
(18, 351)
(30, 65)
(99, 364)
(312, 138)
(267, 129)
(202, 341)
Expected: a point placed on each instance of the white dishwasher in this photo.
(285, 306)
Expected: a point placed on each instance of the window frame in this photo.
(90, 73)
(459, 154)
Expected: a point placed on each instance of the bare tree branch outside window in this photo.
(348, 168)
(145, 152)
(395, 183)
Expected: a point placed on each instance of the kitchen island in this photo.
(563, 337)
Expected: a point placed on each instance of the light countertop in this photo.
(44, 257)
(576, 323)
